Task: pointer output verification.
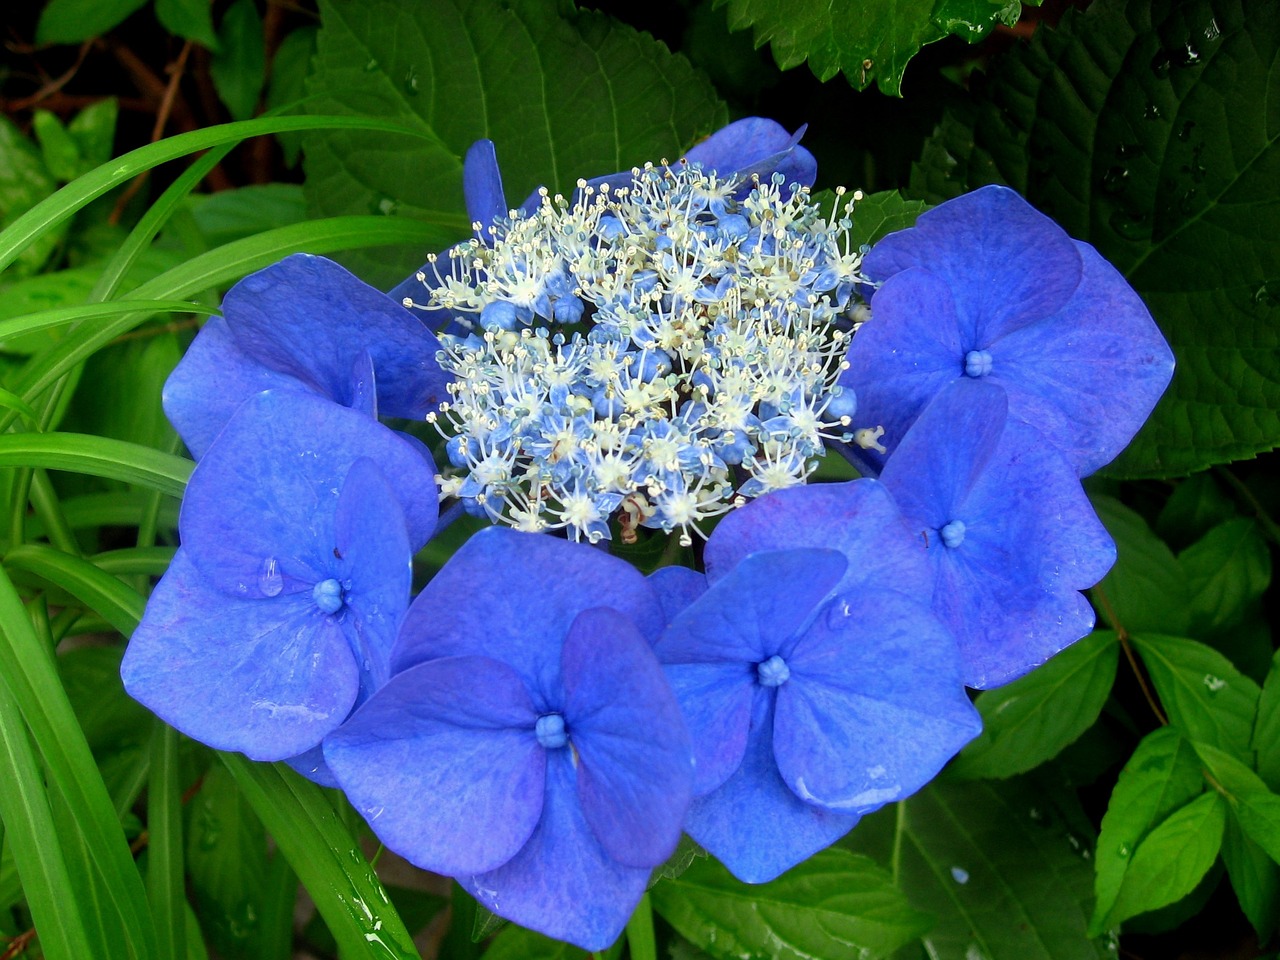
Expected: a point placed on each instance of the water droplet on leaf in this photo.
(1184, 131)
(1267, 294)
(1113, 180)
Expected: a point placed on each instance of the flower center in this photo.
(953, 534)
(327, 595)
(977, 363)
(550, 731)
(646, 345)
(773, 672)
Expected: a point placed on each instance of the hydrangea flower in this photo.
(814, 694)
(278, 613)
(986, 287)
(528, 743)
(304, 323)
(1008, 531)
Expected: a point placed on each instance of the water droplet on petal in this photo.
(256, 283)
(838, 614)
(270, 581)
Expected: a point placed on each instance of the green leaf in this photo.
(288, 82)
(1206, 697)
(871, 40)
(1255, 878)
(1196, 506)
(189, 19)
(1227, 570)
(517, 943)
(878, 214)
(327, 859)
(24, 182)
(165, 867)
(1171, 859)
(1162, 776)
(112, 720)
(70, 21)
(239, 69)
(1147, 588)
(1032, 719)
(97, 456)
(100, 592)
(94, 131)
(833, 904)
(61, 155)
(1004, 877)
(561, 98)
(1145, 128)
(1252, 851)
(1266, 731)
(235, 214)
(227, 864)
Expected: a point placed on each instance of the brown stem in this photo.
(1123, 636)
(18, 944)
(52, 86)
(1269, 526)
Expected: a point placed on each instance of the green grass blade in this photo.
(52, 211)
(165, 864)
(32, 679)
(326, 858)
(148, 561)
(98, 590)
(34, 841)
(62, 316)
(98, 457)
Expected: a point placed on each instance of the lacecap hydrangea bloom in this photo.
(666, 355)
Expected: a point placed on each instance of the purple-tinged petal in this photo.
(909, 350)
(756, 146)
(376, 566)
(858, 518)
(482, 185)
(874, 706)
(1006, 263)
(522, 593)
(562, 883)
(444, 765)
(267, 677)
(1012, 536)
(257, 518)
(210, 381)
(1088, 376)
(308, 317)
(677, 587)
(754, 824)
(635, 765)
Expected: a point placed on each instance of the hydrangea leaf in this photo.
(878, 214)
(1143, 128)
(1228, 570)
(70, 21)
(1147, 588)
(1032, 719)
(1204, 695)
(1266, 732)
(562, 97)
(869, 42)
(1255, 877)
(996, 865)
(836, 903)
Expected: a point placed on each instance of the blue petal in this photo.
(443, 764)
(754, 824)
(874, 706)
(372, 547)
(513, 596)
(265, 494)
(635, 764)
(482, 185)
(311, 765)
(710, 652)
(266, 677)
(562, 883)
(756, 146)
(1031, 538)
(310, 318)
(858, 518)
(677, 587)
(1088, 376)
(912, 349)
(978, 244)
(210, 381)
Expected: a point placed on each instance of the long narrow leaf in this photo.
(98, 590)
(53, 210)
(62, 316)
(32, 679)
(326, 858)
(98, 457)
(30, 833)
(164, 844)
